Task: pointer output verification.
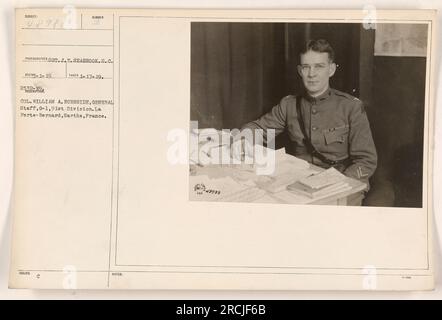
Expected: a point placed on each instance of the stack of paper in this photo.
(288, 169)
(280, 182)
(322, 184)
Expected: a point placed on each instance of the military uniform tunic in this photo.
(337, 126)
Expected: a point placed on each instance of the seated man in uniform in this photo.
(327, 127)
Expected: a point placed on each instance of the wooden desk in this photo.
(217, 171)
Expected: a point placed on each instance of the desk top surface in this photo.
(244, 175)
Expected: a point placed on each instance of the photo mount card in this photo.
(105, 102)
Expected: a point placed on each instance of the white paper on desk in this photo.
(270, 162)
(264, 160)
(324, 178)
(280, 182)
(286, 163)
(290, 165)
(288, 169)
(280, 154)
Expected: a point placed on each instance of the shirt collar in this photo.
(323, 96)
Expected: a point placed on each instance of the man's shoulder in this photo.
(288, 101)
(345, 96)
(290, 97)
(352, 103)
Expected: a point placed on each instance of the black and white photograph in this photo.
(308, 113)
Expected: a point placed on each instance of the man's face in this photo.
(315, 70)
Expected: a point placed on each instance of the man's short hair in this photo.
(319, 45)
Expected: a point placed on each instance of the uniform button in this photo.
(314, 128)
(314, 111)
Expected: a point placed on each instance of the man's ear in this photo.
(332, 69)
(299, 68)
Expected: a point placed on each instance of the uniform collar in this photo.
(323, 96)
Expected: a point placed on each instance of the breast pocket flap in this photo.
(336, 135)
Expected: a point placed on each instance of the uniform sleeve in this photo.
(361, 146)
(274, 119)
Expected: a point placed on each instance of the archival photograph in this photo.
(253, 150)
(308, 113)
